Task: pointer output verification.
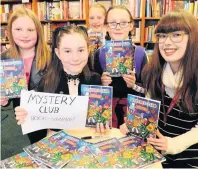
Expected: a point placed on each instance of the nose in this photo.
(168, 40)
(75, 57)
(25, 34)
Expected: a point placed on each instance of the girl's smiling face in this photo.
(73, 53)
(24, 33)
(118, 16)
(96, 19)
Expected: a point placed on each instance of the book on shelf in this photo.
(13, 78)
(119, 57)
(100, 104)
(142, 116)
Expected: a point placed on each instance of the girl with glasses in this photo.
(68, 68)
(26, 42)
(119, 24)
(172, 78)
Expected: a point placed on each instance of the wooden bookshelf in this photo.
(11, 1)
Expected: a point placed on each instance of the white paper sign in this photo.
(53, 111)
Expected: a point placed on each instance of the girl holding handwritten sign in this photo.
(68, 69)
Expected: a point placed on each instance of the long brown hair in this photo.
(42, 53)
(179, 20)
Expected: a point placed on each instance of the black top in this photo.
(179, 121)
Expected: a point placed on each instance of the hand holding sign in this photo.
(57, 111)
(21, 114)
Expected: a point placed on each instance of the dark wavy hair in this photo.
(178, 20)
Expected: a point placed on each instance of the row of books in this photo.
(60, 10)
(157, 8)
(134, 6)
(62, 150)
(7, 9)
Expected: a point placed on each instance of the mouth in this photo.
(170, 51)
(25, 41)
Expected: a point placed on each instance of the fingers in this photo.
(130, 79)
(101, 128)
(21, 114)
(106, 79)
(159, 134)
(4, 101)
(124, 129)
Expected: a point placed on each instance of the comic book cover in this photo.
(95, 40)
(107, 153)
(54, 151)
(100, 104)
(13, 78)
(119, 57)
(136, 153)
(142, 116)
(21, 160)
(83, 158)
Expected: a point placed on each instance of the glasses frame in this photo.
(169, 35)
(119, 23)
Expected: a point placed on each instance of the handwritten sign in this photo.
(53, 111)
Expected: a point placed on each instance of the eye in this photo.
(91, 18)
(81, 50)
(177, 34)
(30, 30)
(161, 35)
(99, 17)
(18, 29)
(67, 51)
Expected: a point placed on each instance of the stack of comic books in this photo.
(13, 79)
(119, 57)
(62, 150)
(142, 116)
(100, 104)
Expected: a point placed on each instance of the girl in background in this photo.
(68, 69)
(172, 78)
(119, 23)
(97, 14)
(26, 42)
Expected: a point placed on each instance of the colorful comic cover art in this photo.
(100, 104)
(142, 116)
(13, 78)
(136, 153)
(119, 57)
(107, 153)
(95, 40)
(21, 160)
(83, 158)
(54, 151)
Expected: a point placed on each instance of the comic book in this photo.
(13, 78)
(100, 104)
(83, 158)
(107, 153)
(21, 160)
(142, 116)
(136, 153)
(54, 151)
(95, 40)
(119, 57)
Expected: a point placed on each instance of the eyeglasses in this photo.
(175, 37)
(113, 25)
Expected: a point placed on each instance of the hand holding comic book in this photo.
(129, 78)
(106, 79)
(4, 101)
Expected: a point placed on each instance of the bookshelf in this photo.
(61, 16)
(146, 14)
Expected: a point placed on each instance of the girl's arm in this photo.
(182, 142)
